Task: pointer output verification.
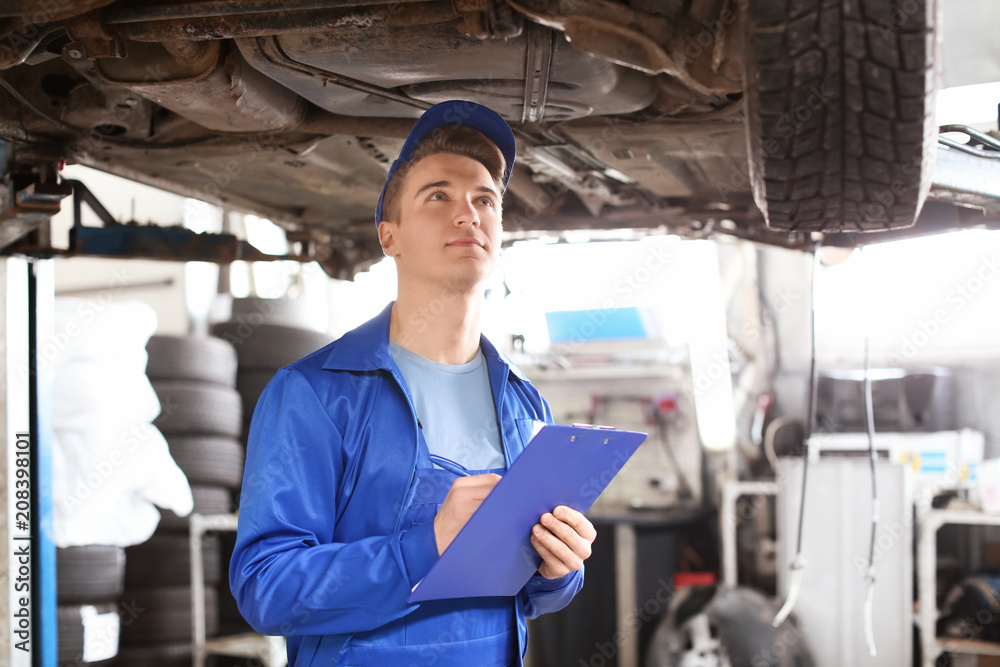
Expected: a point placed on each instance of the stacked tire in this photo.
(89, 586)
(262, 350)
(201, 419)
(267, 335)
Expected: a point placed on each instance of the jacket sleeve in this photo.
(286, 573)
(543, 596)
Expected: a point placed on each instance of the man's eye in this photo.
(486, 201)
(437, 196)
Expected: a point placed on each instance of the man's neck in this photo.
(444, 327)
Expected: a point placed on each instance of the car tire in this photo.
(164, 615)
(250, 383)
(70, 621)
(269, 346)
(207, 500)
(90, 573)
(840, 111)
(231, 621)
(960, 612)
(214, 461)
(175, 654)
(198, 408)
(165, 560)
(726, 626)
(204, 358)
(288, 312)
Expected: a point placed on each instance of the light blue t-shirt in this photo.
(454, 405)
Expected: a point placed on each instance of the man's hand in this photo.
(562, 538)
(463, 499)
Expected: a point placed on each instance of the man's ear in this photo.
(387, 238)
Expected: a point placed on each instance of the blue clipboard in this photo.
(492, 554)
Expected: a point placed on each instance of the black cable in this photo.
(799, 564)
(813, 388)
(872, 454)
(872, 458)
(684, 489)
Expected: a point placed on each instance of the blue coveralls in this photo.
(336, 517)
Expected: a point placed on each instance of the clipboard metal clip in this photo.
(600, 426)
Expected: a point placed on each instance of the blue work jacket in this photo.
(322, 554)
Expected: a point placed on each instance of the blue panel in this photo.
(41, 307)
(168, 243)
(574, 326)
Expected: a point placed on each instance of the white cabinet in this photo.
(928, 522)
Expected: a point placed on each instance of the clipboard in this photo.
(492, 554)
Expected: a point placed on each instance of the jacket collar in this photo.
(366, 349)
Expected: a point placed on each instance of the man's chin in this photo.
(469, 280)
(466, 284)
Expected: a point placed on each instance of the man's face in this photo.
(448, 232)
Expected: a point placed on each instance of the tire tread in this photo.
(847, 137)
(166, 615)
(90, 573)
(192, 407)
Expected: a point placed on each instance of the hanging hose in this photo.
(873, 459)
(799, 562)
(793, 590)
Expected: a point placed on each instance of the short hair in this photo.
(458, 139)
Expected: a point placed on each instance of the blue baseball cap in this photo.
(455, 113)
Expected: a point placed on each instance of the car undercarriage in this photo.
(782, 122)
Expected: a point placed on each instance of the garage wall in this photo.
(784, 277)
(970, 49)
(650, 478)
(925, 302)
(978, 403)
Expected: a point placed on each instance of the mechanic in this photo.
(343, 509)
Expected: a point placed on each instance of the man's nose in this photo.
(467, 213)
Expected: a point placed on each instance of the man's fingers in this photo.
(545, 568)
(567, 534)
(563, 539)
(551, 567)
(464, 498)
(560, 552)
(578, 521)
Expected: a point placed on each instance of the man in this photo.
(343, 508)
